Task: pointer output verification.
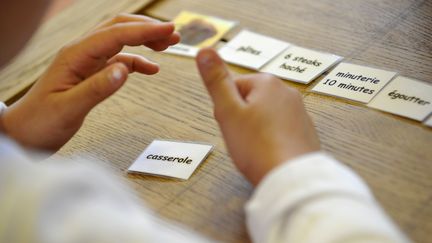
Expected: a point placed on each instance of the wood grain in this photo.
(392, 154)
(62, 28)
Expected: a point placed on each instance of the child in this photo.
(302, 195)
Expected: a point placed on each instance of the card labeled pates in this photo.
(354, 82)
(300, 64)
(405, 97)
(171, 159)
(428, 122)
(198, 31)
(251, 50)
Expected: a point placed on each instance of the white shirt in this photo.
(311, 199)
(316, 199)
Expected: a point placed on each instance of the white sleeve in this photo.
(72, 202)
(314, 198)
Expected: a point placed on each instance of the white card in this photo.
(405, 97)
(183, 50)
(300, 64)
(428, 122)
(171, 159)
(354, 82)
(251, 50)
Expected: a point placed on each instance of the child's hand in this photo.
(263, 121)
(83, 74)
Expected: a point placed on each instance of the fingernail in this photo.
(206, 59)
(167, 23)
(152, 62)
(116, 75)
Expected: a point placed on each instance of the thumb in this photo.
(217, 79)
(97, 87)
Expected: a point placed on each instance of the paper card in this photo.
(428, 122)
(354, 82)
(171, 159)
(198, 31)
(405, 97)
(300, 64)
(252, 50)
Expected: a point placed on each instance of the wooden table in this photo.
(393, 154)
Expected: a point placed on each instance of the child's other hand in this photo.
(83, 74)
(263, 121)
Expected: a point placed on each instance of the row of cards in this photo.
(379, 89)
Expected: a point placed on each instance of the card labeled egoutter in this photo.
(171, 159)
(251, 50)
(300, 64)
(198, 31)
(405, 97)
(428, 122)
(354, 82)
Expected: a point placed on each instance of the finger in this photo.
(161, 45)
(89, 54)
(217, 79)
(136, 63)
(95, 89)
(110, 40)
(258, 86)
(125, 17)
(244, 86)
(248, 83)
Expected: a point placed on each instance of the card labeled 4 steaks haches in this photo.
(301, 65)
